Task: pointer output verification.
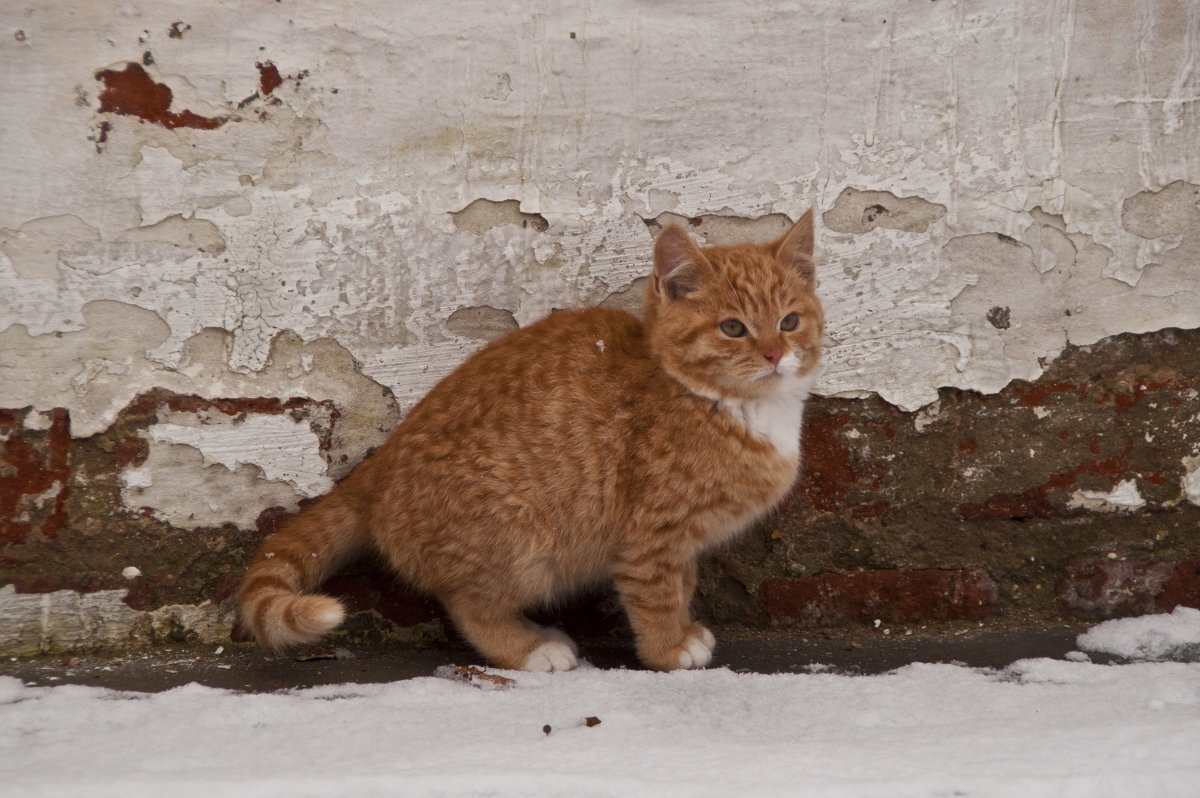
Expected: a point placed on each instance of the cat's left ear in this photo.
(796, 247)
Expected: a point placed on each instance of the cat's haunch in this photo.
(585, 447)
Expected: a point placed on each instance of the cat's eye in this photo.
(733, 328)
(789, 323)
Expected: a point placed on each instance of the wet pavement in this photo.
(243, 667)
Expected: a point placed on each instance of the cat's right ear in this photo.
(678, 263)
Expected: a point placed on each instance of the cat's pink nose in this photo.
(774, 356)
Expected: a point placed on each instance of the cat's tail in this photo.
(274, 603)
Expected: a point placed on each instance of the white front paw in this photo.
(553, 655)
(697, 649)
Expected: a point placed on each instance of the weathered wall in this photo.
(238, 241)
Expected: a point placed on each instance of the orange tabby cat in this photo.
(588, 446)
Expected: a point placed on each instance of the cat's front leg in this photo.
(700, 641)
(657, 593)
(507, 638)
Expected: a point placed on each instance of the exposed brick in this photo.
(1182, 587)
(34, 477)
(298, 407)
(835, 476)
(137, 596)
(131, 452)
(1109, 588)
(226, 587)
(270, 520)
(1035, 394)
(828, 465)
(1050, 499)
(892, 596)
(1010, 506)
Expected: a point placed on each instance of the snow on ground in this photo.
(1175, 635)
(1037, 728)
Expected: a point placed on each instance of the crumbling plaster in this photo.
(1024, 174)
(64, 620)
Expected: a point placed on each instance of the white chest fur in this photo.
(777, 418)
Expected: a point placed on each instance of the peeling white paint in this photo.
(37, 421)
(1125, 497)
(181, 489)
(927, 416)
(1191, 480)
(295, 450)
(325, 212)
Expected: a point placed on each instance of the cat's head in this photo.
(735, 322)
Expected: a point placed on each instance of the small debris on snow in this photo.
(469, 674)
(131, 572)
(591, 721)
(546, 730)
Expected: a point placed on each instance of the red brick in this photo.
(1182, 588)
(892, 596)
(833, 479)
(1050, 499)
(131, 452)
(828, 466)
(34, 463)
(1114, 587)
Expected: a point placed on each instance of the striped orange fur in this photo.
(586, 447)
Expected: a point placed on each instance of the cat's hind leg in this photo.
(510, 640)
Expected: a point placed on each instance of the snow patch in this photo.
(1152, 637)
(1042, 728)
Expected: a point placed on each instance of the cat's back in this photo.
(527, 434)
(562, 366)
(551, 404)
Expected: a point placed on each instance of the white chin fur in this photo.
(776, 417)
